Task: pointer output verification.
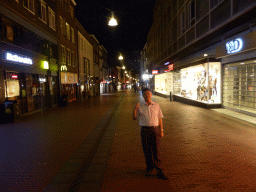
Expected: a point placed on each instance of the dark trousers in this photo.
(150, 140)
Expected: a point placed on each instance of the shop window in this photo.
(29, 4)
(200, 83)
(42, 11)
(239, 86)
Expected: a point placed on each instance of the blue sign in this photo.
(234, 46)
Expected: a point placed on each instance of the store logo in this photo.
(234, 46)
(154, 72)
(17, 58)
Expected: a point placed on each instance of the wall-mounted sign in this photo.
(234, 46)
(63, 68)
(42, 79)
(154, 72)
(167, 63)
(17, 58)
(14, 76)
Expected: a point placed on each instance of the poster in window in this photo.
(9, 33)
(13, 88)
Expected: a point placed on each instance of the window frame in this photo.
(63, 54)
(68, 57)
(31, 6)
(72, 35)
(68, 30)
(43, 16)
(52, 19)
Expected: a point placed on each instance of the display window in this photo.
(239, 86)
(200, 82)
(164, 83)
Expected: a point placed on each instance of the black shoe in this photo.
(149, 173)
(162, 176)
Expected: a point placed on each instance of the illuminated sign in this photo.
(17, 58)
(146, 76)
(63, 68)
(154, 72)
(234, 46)
(167, 63)
(14, 76)
(42, 79)
(46, 65)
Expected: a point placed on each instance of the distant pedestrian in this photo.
(89, 94)
(150, 120)
(135, 89)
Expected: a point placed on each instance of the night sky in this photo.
(129, 37)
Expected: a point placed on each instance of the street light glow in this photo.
(112, 21)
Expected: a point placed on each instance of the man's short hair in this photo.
(146, 89)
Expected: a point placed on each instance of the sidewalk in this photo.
(202, 151)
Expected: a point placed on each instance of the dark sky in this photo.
(129, 37)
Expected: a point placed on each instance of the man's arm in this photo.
(161, 127)
(135, 111)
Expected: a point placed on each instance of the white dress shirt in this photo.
(149, 114)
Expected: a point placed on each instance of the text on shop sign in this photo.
(17, 58)
(234, 46)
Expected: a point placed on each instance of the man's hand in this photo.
(137, 106)
(161, 134)
(135, 111)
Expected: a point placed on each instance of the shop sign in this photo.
(14, 76)
(63, 68)
(167, 63)
(154, 72)
(42, 79)
(17, 58)
(234, 46)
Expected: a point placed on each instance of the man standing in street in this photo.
(150, 120)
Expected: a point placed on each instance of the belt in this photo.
(149, 127)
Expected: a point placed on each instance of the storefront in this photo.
(164, 84)
(238, 58)
(69, 85)
(26, 80)
(201, 83)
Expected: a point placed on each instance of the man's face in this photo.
(147, 95)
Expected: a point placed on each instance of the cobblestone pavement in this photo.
(202, 150)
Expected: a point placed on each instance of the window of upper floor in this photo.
(68, 31)
(62, 26)
(71, 11)
(68, 57)
(42, 11)
(72, 35)
(30, 5)
(67, 5)
(7, 31)
(51, 16)
(63, 54)
(214, 3)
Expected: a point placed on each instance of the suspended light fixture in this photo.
(112, 21)
(120, 57)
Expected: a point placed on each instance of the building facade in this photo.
(67, 48)
(29, 54)
(85, 61)
(191, 45)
